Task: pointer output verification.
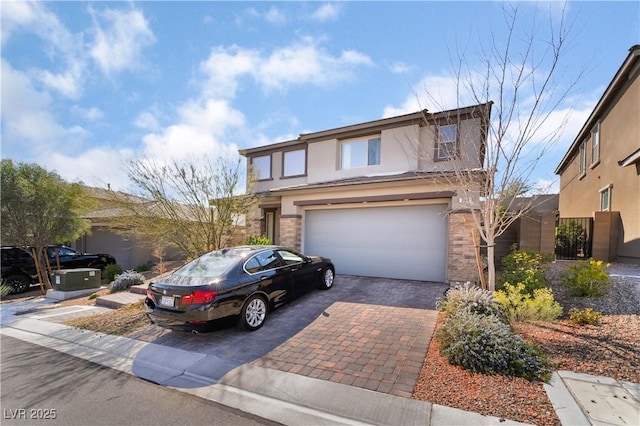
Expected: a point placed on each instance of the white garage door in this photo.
(391, 242)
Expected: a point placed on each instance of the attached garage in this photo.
(408, 242)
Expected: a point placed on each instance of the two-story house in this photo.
(600, 173)
(379, 197)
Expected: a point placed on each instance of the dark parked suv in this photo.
(19, 271)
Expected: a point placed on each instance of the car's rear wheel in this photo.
(328, 275)
(253, 313)
(18, 283)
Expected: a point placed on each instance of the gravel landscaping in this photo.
(610, 349)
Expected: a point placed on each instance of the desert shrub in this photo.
(523, 267)
(110, 271)
(254, 240)
(470, 298)
(5, 289)
(144, 267)
(485, 344)
(584, 316)
(125, 280)
(586, 278)
(522, 306)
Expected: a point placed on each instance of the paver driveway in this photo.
(229, 347)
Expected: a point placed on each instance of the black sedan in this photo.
(246, 281)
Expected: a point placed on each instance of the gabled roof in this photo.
(421, 118)
(628, 69)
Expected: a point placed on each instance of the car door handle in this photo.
(263, 278)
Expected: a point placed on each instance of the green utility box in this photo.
(76, 279)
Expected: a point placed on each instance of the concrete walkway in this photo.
(278, 393)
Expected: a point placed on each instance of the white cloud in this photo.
(89, 114)
(200, 131)
(96, 167)
(64, 48)
(433, 92)
(400, 68)
(147, 121)
(224, 66)
(275, 16)
(25, 112)
(327, 12)
(120, 37)
(303, 62)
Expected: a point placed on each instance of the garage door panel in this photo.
(394, 242)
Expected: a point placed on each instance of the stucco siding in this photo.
(619, 137)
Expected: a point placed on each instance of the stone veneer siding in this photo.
(254, 228)
(461, 265)
(291, 231)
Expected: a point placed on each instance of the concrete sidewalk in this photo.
(279, 396)
(289, 398)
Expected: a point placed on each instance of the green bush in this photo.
(586, 316)
(254, 240)
(485, 344)
(586, 278)
(144, 266)
(5, 290)
(470, 298)
(125, 280)
(110, 271)
(522, 306)
(523, 267)
(571, 238)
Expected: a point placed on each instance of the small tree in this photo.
(39, 208)
(192, 204)
(518, 78)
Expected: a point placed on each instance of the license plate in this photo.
(167, 300)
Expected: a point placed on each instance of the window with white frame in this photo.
(262, 167)
(595, 144)
(294, 163)
(447, 143)
(360, 153)
(583, 159)
(605, 199)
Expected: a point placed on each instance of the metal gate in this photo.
(574, 237)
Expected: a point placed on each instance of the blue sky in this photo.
(88, 85)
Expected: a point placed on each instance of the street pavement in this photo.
(246, 378)
(43, 386)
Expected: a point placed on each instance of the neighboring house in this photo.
(103, 238)
(600, 173)
(112, 236)
(375, 197)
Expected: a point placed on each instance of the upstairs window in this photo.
(595, 144)
(294, 163)
(583, 159)
(605, 199)
(262, 167)
(360, 153)
(447, 143)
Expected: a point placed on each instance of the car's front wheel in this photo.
(18, 283)
(328, 275)
(253, 313)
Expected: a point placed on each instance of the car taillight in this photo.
(199, 297)
(149, 293)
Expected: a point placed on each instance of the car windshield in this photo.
(211, 265)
